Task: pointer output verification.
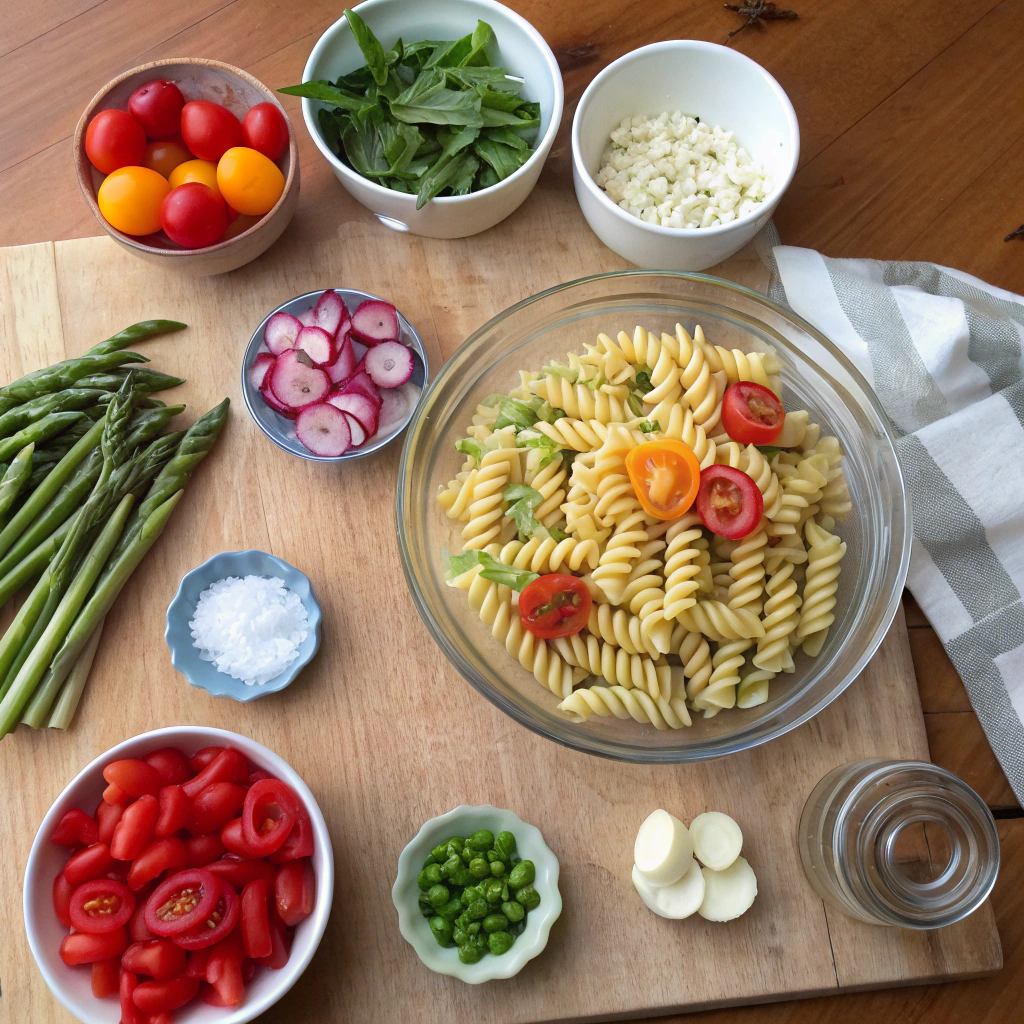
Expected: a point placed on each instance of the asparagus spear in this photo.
(38, 431)
(62, 401)
(137, 332)
(53, 636)
(146, 380)
(72, 687)
(35, 562)
(21, 626)
(15, 477)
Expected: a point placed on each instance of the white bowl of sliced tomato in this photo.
(185, 875)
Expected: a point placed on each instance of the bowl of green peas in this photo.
(477, 893)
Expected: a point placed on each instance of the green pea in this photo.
(460, 936)
(499, 942)
(451, 910)
(462, 921)
(495, 923)
(442, 930)
(440, 852)
(430, 859)
(482, 839)
(505, 845)
(515, 912)
(477, 910)
(528, 897)
(461, 875)
(470, 954)
(432, 874)
(437, 895)
(505, 892)
(473, 928)
(498, 868)
(522, 874)
(479, 868)
(424, 904)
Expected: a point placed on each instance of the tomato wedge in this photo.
(218, 925)
(239, 873)
(268, 816)
(752, 413)
(175, 811)
(81, 948)
(129, 1011)
(300, 842)
(203, 850)
(729, 502)
(171, 765)
(134, 777)
(182, 902)
(107, 817)
(135, 829)
(665, 475)
(215, 806)
(555, 605)
(229, 765)
(101, 906)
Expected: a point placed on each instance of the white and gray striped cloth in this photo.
(943, 352)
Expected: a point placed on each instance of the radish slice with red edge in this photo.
(259, 368)
(360, 383)
(359, 435)
(344, 364)
(317, 344)
(307, 318)
(296, 382)
(330, 313)
(359, 406)
(272, 400)
(389, 364)
(375, 321)
(324, 430)
(280, 332)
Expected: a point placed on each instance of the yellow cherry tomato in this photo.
(202, 171)
(665, 475)
(164, 155)
(248, 181)
(130, 197)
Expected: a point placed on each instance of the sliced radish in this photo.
(361, 384)
(375, 321)
(728, 893)
(272, 400)
(295, 381)
(397, 407)
(317, 344)
(330, 313)
(358, 347)
(359, 406)
(344, 364)
(677, 901)
(717, 839)
(662, 851)
(359, 435)
(280, 332)
(258, 370)
(323, 430)
(307, 318)
(389, 364)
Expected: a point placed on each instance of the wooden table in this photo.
(913, 147)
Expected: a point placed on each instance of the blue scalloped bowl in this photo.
(185, 656)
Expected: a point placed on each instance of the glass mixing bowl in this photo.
(815, 375)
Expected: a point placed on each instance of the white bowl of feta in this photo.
(681, 151)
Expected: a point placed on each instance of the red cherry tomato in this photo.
(209, 129)
(218, 925)
(159, 996)
(157, 107)
(137, 927)
(268, 816)
(62, 892)
(159, 959)
(134, 777)
(224, 969)
(256, 920)
(197, 961)
(83, 948)
(115, 795)
(76, 828)
(106, 977)
(300, 842)
(129, 1011)
(201, 758)
(166, 854)
(182, 902)
(729, 502)
(215, 806)
(193, 215)
(233, 840)
(227, 765)
(92, 862)
(752, 413)
(295, 891)
(203, 850)
(171, 764)
(175, 811)
(265, 129)
(164, 155)
(107, 817)
(114, 139)
(554, 605)
(101, 906)
(135, 829)
(281, 942)
(239, 873)
(259, 774)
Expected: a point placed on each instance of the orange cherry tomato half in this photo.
(729, 502)
(555, 605)
(752, 413)
(665, 475)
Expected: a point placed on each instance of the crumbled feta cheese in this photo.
(675, 171)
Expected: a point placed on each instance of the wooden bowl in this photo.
(198, 79)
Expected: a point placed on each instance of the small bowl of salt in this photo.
(243, 624)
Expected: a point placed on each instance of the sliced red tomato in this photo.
(224, 969)
(256, 920)
(182, 902)
(134, 777)
(101, 906)
(233, 840)
(107, 817)
(167, 854)
(281, 942)
(201, 758)
(300, 842)
(218, 925)
(106, 977)
(114, 794)
(203, 850)
(171, 764)
(295, 891)
(197, 961)
(92, 862)
(268, 816)
(82, 948)
(175, 811)
(159, 959)
(226, 766)
(161, 996)
(752, 413)
(129, 1011)
(62, 890)
(665, 475)
(555, 605)
(239, 873)
(255, 776)
(135, 829)
(76, 828)
(137, 928)
(729, 502)
(214, 806)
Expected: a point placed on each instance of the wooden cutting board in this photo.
(385, 732)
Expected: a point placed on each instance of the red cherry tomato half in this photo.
(160, 996)
(193, 215)
(295, 891)
(300, 842)
(265, 129)
(729, 502)
(175, 811)
(166, 854)
(114, 139)
(107, 817)
(134, 777)
(218, 925)
(101, 906)
(62, 892)
(83, 948)
(157, 107)
(752, 413)
(224, 970)
(239, 873)
(159, 959)
(203, 850)
(268, 816)
(227, 765)
(182, 902)
(171, 764)
(115, 795)
(76, 828)
(129, 1011)
(106, 977)
(135, 829)
(256, 920)
(137, 927)
(92, 862)
(233, 840)
(201, 758)
(281, 942)
(215, 806)
(210, 130)
(554, 605)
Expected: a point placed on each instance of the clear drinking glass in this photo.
(900, 843)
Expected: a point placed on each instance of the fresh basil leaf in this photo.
(495, 118)
(373, 52)
(643, 380)
(636, 407)
(494, 100)
(484, 77)
(451, 54)
(493, 570)
(768, 451)
(483, 36)
(462, 185)
(470, 446)
(357, 81)
(432, 184)
(558, 370)
(504, 159)
(649, 426)
(326, 93)
(428, 100)
(400, 142)
(395, 54)
(364, 148)
(486, 177)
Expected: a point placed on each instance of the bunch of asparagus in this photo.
(91, 482)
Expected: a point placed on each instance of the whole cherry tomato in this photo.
(250, 182)
(135, 777)
(130, 199)
(266, 130)
(209, 129)
(114, 139)
(205, 173)
(194, 216)
(157, 107)
(164, 155)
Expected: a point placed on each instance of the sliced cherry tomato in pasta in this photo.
(555, 605)
(752, 413)
(729, 502)
(101, 906)
(665, 475)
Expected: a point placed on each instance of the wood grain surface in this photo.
(887, 92)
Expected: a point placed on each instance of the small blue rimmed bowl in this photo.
(281, 430)
(185, 655)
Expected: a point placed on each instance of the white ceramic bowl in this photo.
(71, 985)
(521, 50)
(715, 83)
(464, 821)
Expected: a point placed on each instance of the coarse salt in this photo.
(250, 628)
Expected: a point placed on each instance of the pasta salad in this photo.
(646, 529)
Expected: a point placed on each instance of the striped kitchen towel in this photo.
(943, 352)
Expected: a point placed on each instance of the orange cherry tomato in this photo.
(665, 475)
(555, 605)
(164, 155)
(248, 181)
(202, 171)
(130, 197)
